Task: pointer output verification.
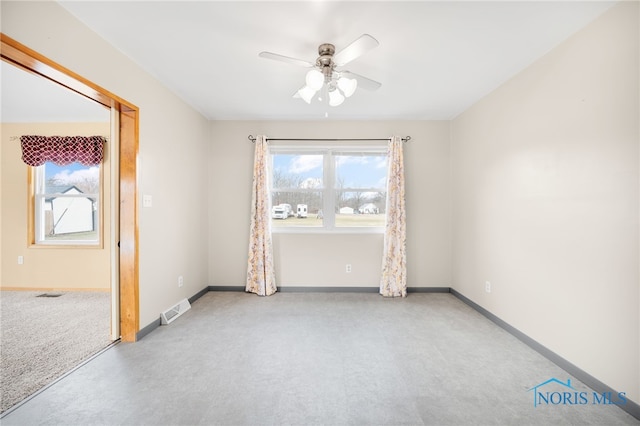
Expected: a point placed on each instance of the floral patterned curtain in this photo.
(260, 273)
(394, 262)
(61, 150)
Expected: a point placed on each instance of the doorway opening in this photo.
(120, 241)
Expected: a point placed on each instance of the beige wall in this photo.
(173, 148)
(319, 260)
(545, 200)
(47, 267)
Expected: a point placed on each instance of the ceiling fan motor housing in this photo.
(326, 49)
(325, 61)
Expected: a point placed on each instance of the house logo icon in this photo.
(536, 394)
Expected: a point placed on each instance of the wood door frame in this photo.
(31, 61)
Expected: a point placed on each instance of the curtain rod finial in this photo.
(251, 138)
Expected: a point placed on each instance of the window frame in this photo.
(34, 214)
(329, 190)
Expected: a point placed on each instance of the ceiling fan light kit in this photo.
(335, 97)
(347, 85)
(338, 88)
(306, 93)
(326, 76)
(314, 80)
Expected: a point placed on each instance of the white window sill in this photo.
(318, 230)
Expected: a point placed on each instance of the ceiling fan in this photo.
(326, 77)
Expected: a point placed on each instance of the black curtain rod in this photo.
(253, 139)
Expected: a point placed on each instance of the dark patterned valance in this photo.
(61, 150)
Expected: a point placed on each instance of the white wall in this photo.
(173, 148)
(546, 193)
(319, 260)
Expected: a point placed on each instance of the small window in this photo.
(66, 204)
(360, 189)
(297, 181)
(328, 188)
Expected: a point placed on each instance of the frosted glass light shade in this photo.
(306, 93)
(347, 85)
(315, 79)
(335, 98)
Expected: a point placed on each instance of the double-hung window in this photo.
(66, 204)
(328, 188)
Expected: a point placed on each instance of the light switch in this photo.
(147, 201)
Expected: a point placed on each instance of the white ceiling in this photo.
(435, 59)
(28, 98)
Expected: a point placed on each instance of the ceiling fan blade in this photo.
(294, 61)
(357, 48)
(363, 82)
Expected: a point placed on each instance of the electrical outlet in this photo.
(487, 286)
(348, 268)
(20, 260)
(180, 281)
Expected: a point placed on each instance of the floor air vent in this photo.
(170, 315)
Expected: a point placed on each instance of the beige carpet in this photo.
(44, 337)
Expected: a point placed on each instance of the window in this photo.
(66, 204)
(332, 189)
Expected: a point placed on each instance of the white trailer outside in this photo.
(279, 212)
